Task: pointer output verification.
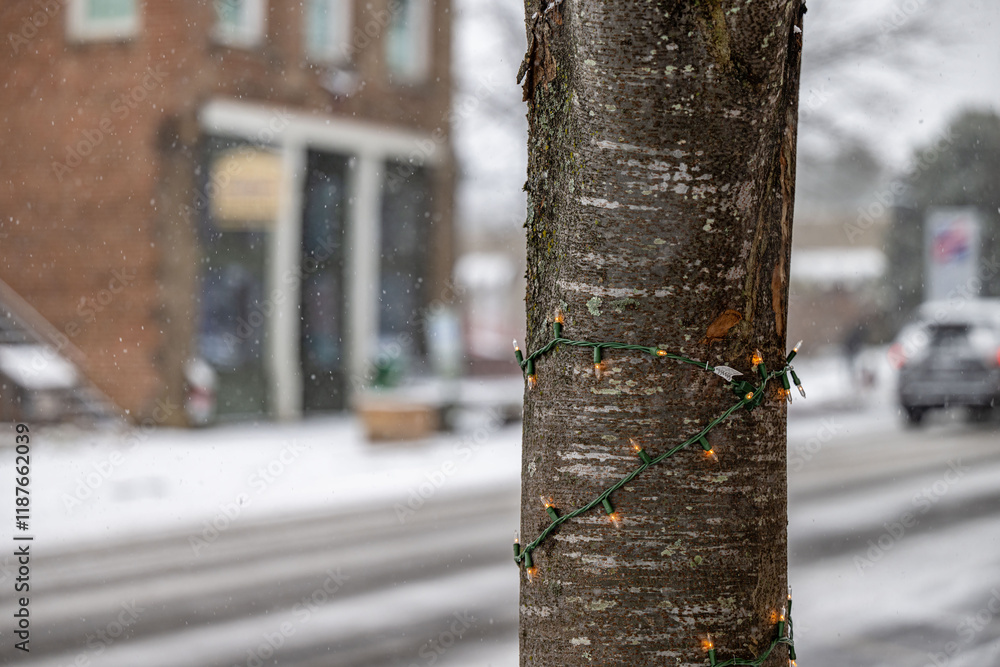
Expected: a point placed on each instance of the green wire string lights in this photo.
(749, 396)
(782, 635)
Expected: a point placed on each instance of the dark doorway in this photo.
(323, 290)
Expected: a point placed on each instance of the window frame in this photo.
(339, 21)
(80, 28)
(247, 36)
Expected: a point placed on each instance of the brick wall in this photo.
(98, 144)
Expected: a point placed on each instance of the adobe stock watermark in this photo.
(271, 642)
(922, 503)
(247, 326)
(230, 511)
(804, 452)
(43, 12)
(967, 629)
(121, 107)
(436, 479)
(363, 36)
(436, 647)
(88, 308)
(102, 640)
(814, 100)
(278, 122)
(958, 298)
(446, 298)
(88, 483)
(900, 14)
(425, 149)
(888, 196)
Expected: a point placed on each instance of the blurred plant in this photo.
(388, 371)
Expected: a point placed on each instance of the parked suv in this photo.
(950, 356)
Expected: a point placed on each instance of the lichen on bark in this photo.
(660, 185)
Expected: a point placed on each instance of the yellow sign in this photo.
(244, 189)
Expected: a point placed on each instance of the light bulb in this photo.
(558, 319)
(532, 381)
(662, 353)
(756, 359)
(640, 451)
(797, 381)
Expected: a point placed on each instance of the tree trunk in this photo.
(660, 190)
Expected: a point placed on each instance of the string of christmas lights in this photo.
(783, 635)
(749, 396)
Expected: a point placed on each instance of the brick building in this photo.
(265, 185)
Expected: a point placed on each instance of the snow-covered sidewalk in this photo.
(91, 486)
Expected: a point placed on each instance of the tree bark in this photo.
(660, 191)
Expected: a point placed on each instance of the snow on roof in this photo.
(37, 367)
(844, 266)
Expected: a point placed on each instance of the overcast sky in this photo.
(893, 91)
(892, 104)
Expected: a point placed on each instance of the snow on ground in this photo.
(91, 486)
(838, 396)
(95, 486)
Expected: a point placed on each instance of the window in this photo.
(407, 230)
(408, 41)
(327, 30)
(239, 23)
(103, 19)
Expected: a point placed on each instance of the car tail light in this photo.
(897, 356)
(998, 356)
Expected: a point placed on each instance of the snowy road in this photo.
(349, 589)
(894, 543)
